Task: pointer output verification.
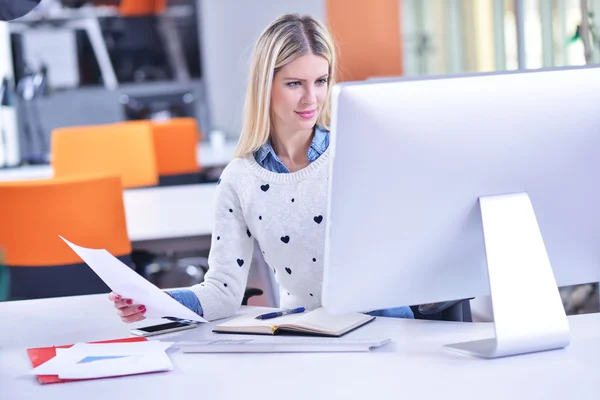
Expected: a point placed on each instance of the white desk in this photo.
(208, 157)
(170, 212)
(25, 173)
(414, 366)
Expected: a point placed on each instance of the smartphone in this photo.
(169, 327)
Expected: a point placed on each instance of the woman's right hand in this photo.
(126, 309)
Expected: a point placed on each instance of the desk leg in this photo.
(92, 27)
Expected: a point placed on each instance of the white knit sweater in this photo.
(285, 213)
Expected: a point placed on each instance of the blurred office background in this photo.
(160, 53)
(86, 62)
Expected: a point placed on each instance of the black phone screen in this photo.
(162, 327)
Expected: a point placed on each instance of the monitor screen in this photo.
(411, 159)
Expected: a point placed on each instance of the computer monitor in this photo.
(415, 165)
(158, 106)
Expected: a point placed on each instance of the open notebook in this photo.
(316, 323)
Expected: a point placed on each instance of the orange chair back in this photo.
(175, 144)
(86, 211)
(124, 150)
(135, 8)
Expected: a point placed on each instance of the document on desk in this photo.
(282, 345)
(126, 282)
(86, 361)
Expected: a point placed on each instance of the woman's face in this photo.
(299, 91)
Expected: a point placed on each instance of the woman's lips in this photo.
(307, 114)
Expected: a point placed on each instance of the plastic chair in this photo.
(125, 150)
(175, 145)
(135, 8)
(86, 211)
(456, 311)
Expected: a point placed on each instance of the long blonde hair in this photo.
(285, 39)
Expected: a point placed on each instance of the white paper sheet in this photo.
(129, 365)
(126, 282)
(65, 358)
(144, 347)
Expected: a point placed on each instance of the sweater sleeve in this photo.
(232, 246)
(187, 298)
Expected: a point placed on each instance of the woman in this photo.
(275, 190)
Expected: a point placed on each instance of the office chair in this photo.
(176, 147)
(87, 211)
(456, 311)
(124, 150)
(176, 270)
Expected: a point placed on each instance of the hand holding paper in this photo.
(127, 283)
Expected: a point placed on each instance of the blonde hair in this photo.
(285, 39)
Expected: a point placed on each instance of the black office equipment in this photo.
(158, 106)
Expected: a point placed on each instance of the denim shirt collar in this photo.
(265, 156)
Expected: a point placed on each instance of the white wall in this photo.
(228, 30)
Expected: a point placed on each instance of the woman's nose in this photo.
(309, 96)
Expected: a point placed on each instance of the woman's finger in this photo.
(127, 311)
(133, 318)
(123, 303)
(112, 296)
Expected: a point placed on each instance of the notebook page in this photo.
(321, 320)
(250, 320)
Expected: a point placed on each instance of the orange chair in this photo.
(175, 146)
(86, 211)
(125, 150)
(135, 8)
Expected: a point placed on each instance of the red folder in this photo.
(40, 355)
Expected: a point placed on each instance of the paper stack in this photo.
(103, 360)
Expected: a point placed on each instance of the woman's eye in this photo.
(293, 84)
(322, 81)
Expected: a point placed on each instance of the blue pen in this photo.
(280, 313)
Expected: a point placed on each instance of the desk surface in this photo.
(207, 156)
(414, 366)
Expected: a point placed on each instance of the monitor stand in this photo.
(528, 312)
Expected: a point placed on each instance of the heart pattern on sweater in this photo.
(274, 216)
